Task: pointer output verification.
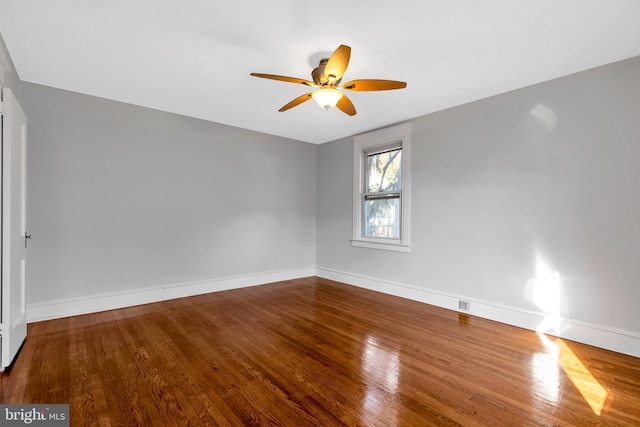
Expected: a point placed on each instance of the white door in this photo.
(13, 325)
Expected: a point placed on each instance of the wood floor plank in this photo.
(312, 352)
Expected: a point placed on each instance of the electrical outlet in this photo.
(464, 305)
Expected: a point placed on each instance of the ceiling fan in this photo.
(326, 77)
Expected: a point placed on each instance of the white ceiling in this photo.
(193, 57)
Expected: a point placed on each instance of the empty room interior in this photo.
(206, 239)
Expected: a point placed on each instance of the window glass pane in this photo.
(383, 171)
(382, 218)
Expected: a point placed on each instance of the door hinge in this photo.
(1, 109)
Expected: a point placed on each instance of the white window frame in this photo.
(363, 144)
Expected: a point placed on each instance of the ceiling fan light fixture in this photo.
(327, 98)
(326, 78)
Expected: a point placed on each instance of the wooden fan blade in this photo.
(337, 63)
(368, 85)
(299, 100)
(346, 105)
(285, 79)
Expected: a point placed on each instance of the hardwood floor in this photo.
(315, 352)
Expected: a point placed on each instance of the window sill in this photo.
(394, 247)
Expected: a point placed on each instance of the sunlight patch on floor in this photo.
(589, 387)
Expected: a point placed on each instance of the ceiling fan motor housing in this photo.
(318, 75)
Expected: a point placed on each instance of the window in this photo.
(381, 185)
(382, 196)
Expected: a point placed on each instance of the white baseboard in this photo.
(113, 300)
(621, 341)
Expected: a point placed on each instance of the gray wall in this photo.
(547, 172)
(8, 76)
(122, 198)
